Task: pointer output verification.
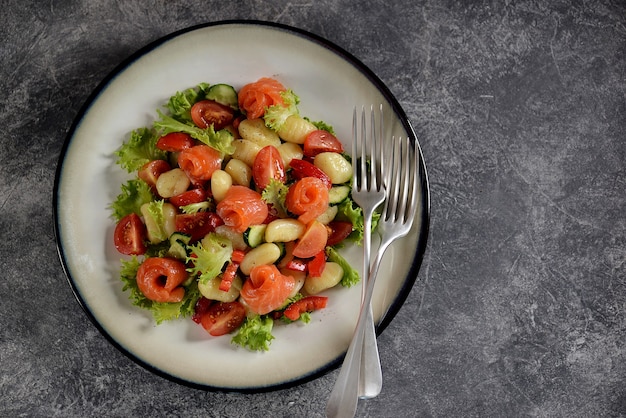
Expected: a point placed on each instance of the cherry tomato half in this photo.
(339, 230)
(303, 168)
(320, 141)
(175, 142)
(223, 317)
(268, 165)
(312, 241)
(197, 224)
(209, 112)
(130, 234)
(188, 197)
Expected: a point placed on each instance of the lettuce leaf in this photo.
(155, 211)
(180, 103)
(128, 275)
(169, 311)
(255, 333)
(275, 194)
(139, 149)
(276, 115)
(134, 193)
(350, 275)
(209, 256)
(323, 126)
(221, 140)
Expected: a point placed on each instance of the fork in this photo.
(368, 192)
(396, 221)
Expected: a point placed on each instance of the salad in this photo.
(236, 210)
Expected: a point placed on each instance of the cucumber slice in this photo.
(254, 235)
(338, 194)
(223, 94)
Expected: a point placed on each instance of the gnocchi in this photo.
(254, 130)
(220, 183)
(240, 172)
(336, 167)
(331, 276)
(172, 182)
(295, 129)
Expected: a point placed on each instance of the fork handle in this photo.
(371, 376)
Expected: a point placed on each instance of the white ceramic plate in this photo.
(330, 83)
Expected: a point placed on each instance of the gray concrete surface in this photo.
(519, 309)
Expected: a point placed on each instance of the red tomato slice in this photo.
(190, 196)
(317, 264)
(307, 304)
(151, 171)
(321, 141)
(268, 165)
(339, 230)
(130, 234)
(209, 112)
(175, 142)
(197, 224)
(223, 318)
(312, 241)
(202, 306)
(302, 168)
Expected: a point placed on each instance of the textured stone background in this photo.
(520, 305)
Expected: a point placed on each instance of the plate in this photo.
(330, 83)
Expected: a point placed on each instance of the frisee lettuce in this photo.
(221, 140)
(154, 210)
(255, 333)
(180, 103)
(139, 149)
(208, 256)
(134, 193)
(275, 194)
(322, 125)
(350, 275)
(276, 115)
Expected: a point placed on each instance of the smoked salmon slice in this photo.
(200, 161)
(308, 198)
(255, 97)
(242, 207)
(267, 289)
(160, 279)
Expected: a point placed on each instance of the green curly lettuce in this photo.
(276, 115)
(139, 149)
(207, 257)
(350, 275)
(221, 140)
(134, 194)
(180, 103)
(275, 194)
(255, 333)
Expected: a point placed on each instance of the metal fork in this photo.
(396, 221)
(368, 192)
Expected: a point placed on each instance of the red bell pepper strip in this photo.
(306, 304)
